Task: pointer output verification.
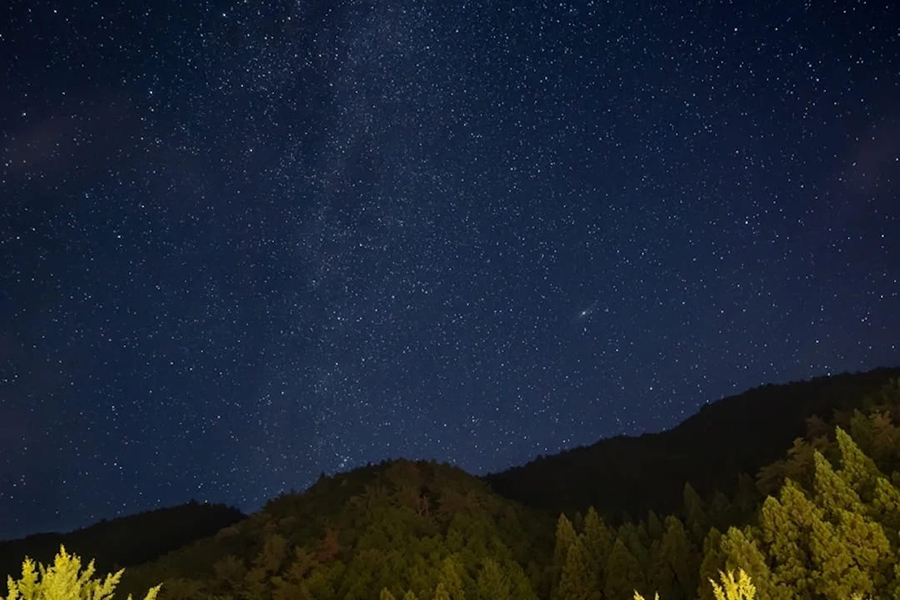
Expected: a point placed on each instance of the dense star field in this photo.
(244, 243)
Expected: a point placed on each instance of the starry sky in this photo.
(245, 243)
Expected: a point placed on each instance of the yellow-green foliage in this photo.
(64, 580)
(734, 589)
(730, 588)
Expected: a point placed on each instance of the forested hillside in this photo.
(711, 449)
(127, 541)
(819, 521)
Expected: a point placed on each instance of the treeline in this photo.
(628, 476)
(821, 521)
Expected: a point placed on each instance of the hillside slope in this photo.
(400, 525)
(125, 541)
(738, 434)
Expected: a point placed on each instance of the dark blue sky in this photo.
(244, 243)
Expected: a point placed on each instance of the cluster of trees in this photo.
(834, 539)
(820, 522)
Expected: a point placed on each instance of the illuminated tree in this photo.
(64, 580)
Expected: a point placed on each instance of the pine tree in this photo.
(386, 594)
(440, 592)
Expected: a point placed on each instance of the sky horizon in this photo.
(241, 245)
(255, 508)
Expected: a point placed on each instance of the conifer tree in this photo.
(785, 525)
(440, 592)
(576, 581)
(492, 582)
(857, 469)
(747, 497)
(848, 557)
(832, 493)
(740, 551)
(565, 538)
(721, 511)
(655, 527)
(731, 588)
(713, 562)
(386, 594)
(598, 542)
(451, 580)
(696, 516)
(637, 541)
(409, 595)
(64, 580)
(885, 507)
(623, 573)
(850, 553)
(680, 557)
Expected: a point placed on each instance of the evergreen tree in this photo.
(740, 551)
(64, 580)
(680, 559)
(696, 516)
(637, 541)
(598, 542)
(623, 574)
(440, 592)
(832, 493)
(731, 588)
(492, 583)
(386, 594)
(576, 581)
(746, 499)
(451, 580)
(786, 525)
(848, 557)
(565, 538)
(713, 562)
(857, 469)
(655, 527)
(885, 507)
(721, 511)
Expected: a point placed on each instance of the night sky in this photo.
(244, 243)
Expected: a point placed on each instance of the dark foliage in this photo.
(126, 541)
(735, 435)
